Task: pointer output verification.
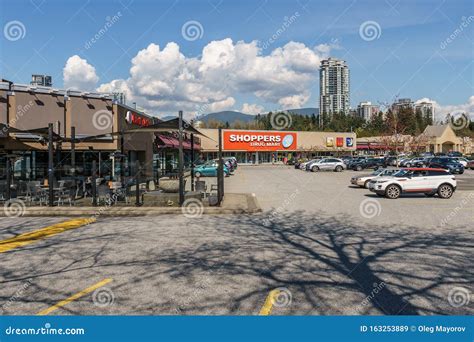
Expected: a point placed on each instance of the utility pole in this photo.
(181, 159)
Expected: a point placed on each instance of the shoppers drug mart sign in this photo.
(259, 140)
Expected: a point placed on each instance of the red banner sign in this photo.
(259, 141)
(133, 118)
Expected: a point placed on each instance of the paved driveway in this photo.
(312, 242)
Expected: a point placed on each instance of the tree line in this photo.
(406, 121)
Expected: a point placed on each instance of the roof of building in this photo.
(435, 130)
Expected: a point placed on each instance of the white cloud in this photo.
(78, 74)
(222, 105)
(442, 110)
(163, 80)
(248, 108)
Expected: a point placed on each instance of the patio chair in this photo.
(213, 195)
(35, 194)
(123, 194)
(22, 190)
(103, 194)
(3, 191)
(202, 187)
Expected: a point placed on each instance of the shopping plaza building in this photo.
(26, 110)
(254, 146)
(96, 118)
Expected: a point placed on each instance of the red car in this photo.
(470, 165)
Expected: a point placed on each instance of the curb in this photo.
(251, 207)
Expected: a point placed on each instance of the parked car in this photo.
(446, 163)
(305, 165)
(454, 154)
(461, 160)
(332, 164)
(427, 155)
(470, 164)
(363, 181)
(209, 169)
(348, 159)
(430, 181)
(414, 162)
(370, 163)
(391, 160)
(232, 160)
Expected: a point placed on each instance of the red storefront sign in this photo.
(133, 118)
(339, 142)
(259, 141)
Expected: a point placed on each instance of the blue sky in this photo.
(409, 56)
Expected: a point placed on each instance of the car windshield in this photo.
(402, 173)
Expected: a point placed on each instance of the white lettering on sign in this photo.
(254, 137)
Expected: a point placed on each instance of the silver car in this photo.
(331, 164)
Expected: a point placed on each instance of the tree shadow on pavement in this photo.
(228, 265)
(331, 262)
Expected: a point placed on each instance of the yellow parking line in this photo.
(27, 238)
(268, 305)
(74, 297)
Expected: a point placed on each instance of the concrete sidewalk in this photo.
(232, 204)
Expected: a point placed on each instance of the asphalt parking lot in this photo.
(328, 247)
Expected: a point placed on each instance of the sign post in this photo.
(181, 160)
(220, 172)
(50, 165)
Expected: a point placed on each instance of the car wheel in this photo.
(408, 165)
(445, 191)
(359, 168)
(315, 169)
(392, 191)
(461, 172)
(197, 174)
(338, 168)
(366, 184)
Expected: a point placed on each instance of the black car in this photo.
(447, 164)
(391, 160)
(454, 154)
(370, 163)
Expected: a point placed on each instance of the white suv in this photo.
(332, 164)
(429, 181)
